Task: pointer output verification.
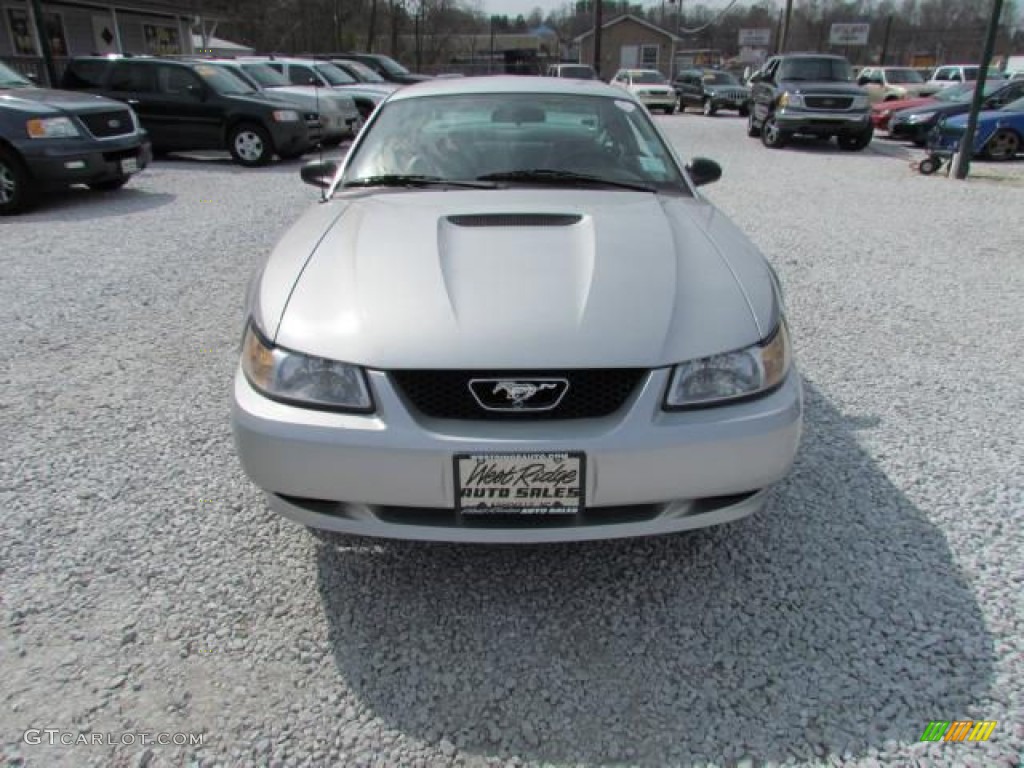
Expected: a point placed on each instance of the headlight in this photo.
(920, 117)
(791, 100)
(720, 378)
(286, 116)
(311, 382)
(860, 102)
(51, 128)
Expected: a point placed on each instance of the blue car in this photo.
(999, 136)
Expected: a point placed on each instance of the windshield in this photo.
(817, 70)
(265, 75)
(223, 81)
(903, 76)
(333, 75)
(648, 77)
(390, 65)
(364, 73)
(11, 79)
(1015, 106)
(720, 78)
(467, 137)
(577, 73)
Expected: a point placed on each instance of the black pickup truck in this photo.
(54, 139)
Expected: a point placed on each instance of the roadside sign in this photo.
(755, 38)
(849, 34)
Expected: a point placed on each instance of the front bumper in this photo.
(823, 123)
(390, 473)
(917, 132)
(62, 162)
(294, 136)
(657, 100)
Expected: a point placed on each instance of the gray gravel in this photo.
(145, 587)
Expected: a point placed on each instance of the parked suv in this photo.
(572, 71)
(384, 66)
(711, 90)
(811, 94)
(955, 74)
(325, 74)
(194, 105)
(54, 138)
(894, 84)
(649, 86)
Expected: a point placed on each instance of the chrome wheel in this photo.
(8, 185)
(1003, 146)
(249, 146)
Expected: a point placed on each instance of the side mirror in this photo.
(703, 171)
(319, 174)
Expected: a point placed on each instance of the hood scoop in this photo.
(515, 219)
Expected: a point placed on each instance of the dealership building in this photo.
(73, 28)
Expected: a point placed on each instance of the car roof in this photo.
(506, 84)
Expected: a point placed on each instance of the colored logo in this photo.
(958, 730)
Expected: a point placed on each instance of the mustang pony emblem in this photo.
(520, 391)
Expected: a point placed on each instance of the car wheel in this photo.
(708, 108)
(250, 145)
(929, 165)
(670, 110)
(753, 131)
(18, 191)
(109, 185)
(1004, 145)
(856, 142)
(744, 111)
(771, 135)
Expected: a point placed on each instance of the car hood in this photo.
(46, 100)
(986, 116)
(376, 89)
(639, 280)
(716, 89)
(897, 105)
(938, 107)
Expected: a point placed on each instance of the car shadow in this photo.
(83, 204)
(781, 632)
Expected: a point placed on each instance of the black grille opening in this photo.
(515, 220)
(592, 393)
(828, 102)
(103, 125)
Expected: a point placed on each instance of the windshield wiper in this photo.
(551, 176)
(400, 180)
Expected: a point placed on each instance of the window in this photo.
(86, 73)
(133, 77)
(649, 56)
(300, 75)
(177, 80)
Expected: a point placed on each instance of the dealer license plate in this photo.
(519, 483)
(129, 165)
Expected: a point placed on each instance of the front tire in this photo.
(744, 110)
(753, 130)
(772, 135)
(856, 142)
(670, 110)
(250, 145)
(1004, 145)
(18, 190)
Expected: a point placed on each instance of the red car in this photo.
(880, 113)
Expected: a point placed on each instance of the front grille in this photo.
(105, 125)
(592, 393)
(828, 102)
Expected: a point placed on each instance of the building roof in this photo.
(220, 44)
(623, 17)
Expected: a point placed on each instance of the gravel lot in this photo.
(145, 587)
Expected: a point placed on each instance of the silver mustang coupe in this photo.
(513, 318)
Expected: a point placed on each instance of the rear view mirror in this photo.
(703, 171)
(319, 174)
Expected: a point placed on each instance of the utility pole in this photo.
(885, 40)
(963, 158)
(785, 26)
(597, 37)
(44, 43)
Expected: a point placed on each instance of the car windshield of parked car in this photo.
(365, 73)
(1014, 106)
(720, 78)
(648, 78)
(335, 76)
(955, 93)
(553, 138)
(11, 79)
(577, 73)
(903, 76)
(222, 81)
(391, 66)
(265, 75)
(817, 70)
